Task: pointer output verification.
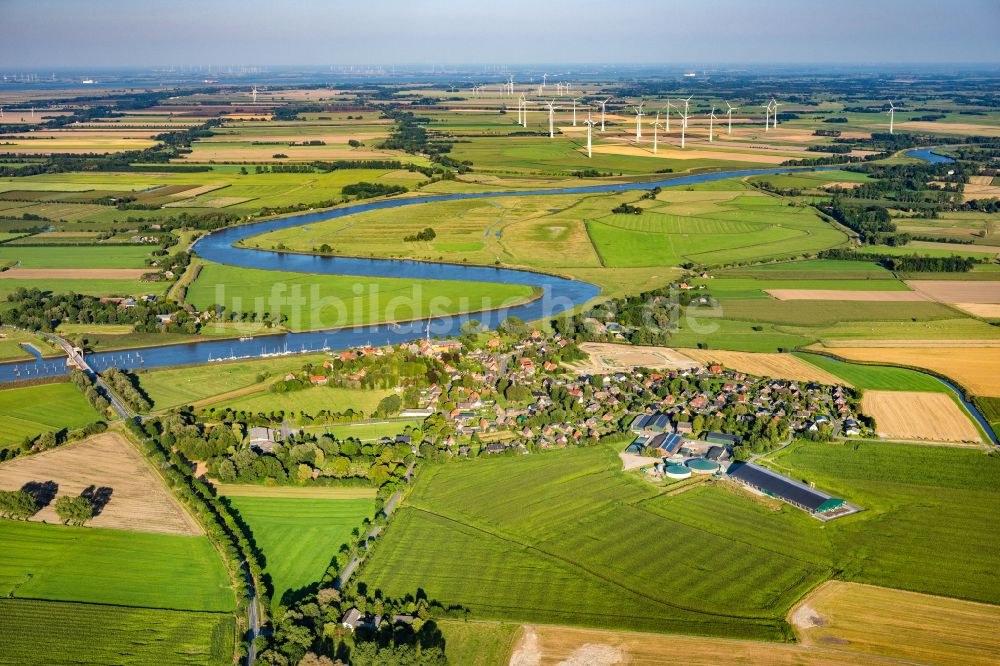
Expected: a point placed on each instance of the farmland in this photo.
(116, 567)
(779, 366)
(919, 415)
(170, 387)
(329, 301)
(311, 400)
(138, 500)
(545, 562)
(876, 378)
(299, 536)
(32, 410)
(49, 631)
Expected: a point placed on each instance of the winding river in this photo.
(557, 294)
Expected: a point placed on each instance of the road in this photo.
(390, 506)
(76, 357)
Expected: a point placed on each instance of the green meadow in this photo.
(49, 631)
(116, 567)
(311, 400)
(88, 256)
(329, 301)
(32, 410)
(299, 537)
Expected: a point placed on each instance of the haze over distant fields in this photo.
(117, 33)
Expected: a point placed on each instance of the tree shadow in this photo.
(42, 491)
(99, 497)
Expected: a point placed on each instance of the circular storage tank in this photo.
(702, 466)
(677, 472)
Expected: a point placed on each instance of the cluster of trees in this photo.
(871, 223)
(17, 504)
(364, 190)
(627, 209)
(907, 263)
(126, 386)
(74, 510)
(426, 234)
(95, 396)
(23, 504)
(38, 310)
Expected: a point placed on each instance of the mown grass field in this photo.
(116, 567)
(11, 349)
(565, 538)
(368, 431)
(54, 632)
(310, 400)
(170, 387)
(924, 506)
(299, 537)
(328, 301)
(32, 410)
(875, 377)
(98, 287)
(479, 643)
(99, 256)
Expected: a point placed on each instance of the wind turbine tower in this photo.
(667, 129)
(767, 116)
(686, 114)
(711, 124)
(892, 113)
(552, 109)
(729, 113)
(590, 129)
(575, 100)
(774, 112)
(603, 108)
(638, 121)
(656, 126)
(253, 94)
(684, 122)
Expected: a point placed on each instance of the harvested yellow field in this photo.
(984, 310)
(930, 245)
(669, 153)
(74, 273)
(778, 366)
(958, 291)
(250, 490)
(845, 295)
(608, 357)
(949, 128)
(839, 624)
(918, 415)
(978, 370)
(137, 498)
(898, 625)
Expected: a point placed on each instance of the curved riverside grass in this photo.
(558, 294)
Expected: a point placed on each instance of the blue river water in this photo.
(557, 294)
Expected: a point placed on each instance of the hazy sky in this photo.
(54, 33)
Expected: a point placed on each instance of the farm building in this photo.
(781, 487)
(651, 423)
(702, 466)
(722, 438)
(666, 445)
(262, 439)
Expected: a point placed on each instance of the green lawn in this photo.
(929, 521)
(479, 643)
(103, 256)
(170, 387)
(328, 301)
(32, 410)
(876, 377)
(310, 400)
(368, 431)
(299, 537)
(565, 538)
(102, 566)
(52, 632)
(99, 287)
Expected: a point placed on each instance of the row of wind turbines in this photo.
(770, 118)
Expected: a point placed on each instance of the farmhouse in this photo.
(781, 487)
(262, 439)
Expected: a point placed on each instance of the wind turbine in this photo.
(730, 114)
(510, 85)
(656, 126)
(552, 109)
(603, 105)
(253, 94)
(668, 116)
(575, 99)
(638, 121)
(711, 124)
(767, 116)
(684, 122)
(686, 114)
(892, 113)
(590, 128)
(545, 80)
(522, 112)
(774, 112)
